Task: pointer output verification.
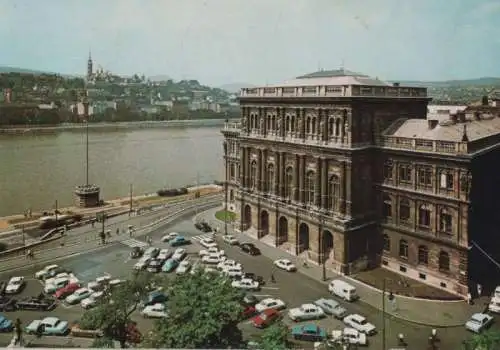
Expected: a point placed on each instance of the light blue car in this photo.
(6, 325)
(48, 326)
(170, 265)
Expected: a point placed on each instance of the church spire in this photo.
(90, 67)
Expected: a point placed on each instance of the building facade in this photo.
(346, 170)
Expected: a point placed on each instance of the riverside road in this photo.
(293, 288)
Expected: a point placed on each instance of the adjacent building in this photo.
(347, 170)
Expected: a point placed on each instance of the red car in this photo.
(248, 312)
(68, 290)
(266, 318)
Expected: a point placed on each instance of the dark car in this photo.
(136, 252)
(154, 266)
(254, 277)
(38, 303)
(249, 300)
(203, 226)
(155, 297)
(249, 248)
(3, 285)
(8, 304)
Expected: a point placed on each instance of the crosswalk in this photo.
(200, 237)
(134, 243)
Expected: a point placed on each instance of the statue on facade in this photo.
(300, 126)
(322, 128)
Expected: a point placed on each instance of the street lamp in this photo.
(224, 145)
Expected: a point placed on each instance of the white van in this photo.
(343, 290)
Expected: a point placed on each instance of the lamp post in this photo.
(224, 145)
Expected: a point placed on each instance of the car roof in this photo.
(357, 317)
(309, 305)
(54, 266)
(17, 278)
(81, 290)
(311, 327)
(50, 320)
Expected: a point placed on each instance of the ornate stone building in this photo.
(346, 170)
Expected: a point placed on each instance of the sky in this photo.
(254, 41)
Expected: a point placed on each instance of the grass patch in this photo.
(223, 215)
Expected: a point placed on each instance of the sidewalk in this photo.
(433, 313)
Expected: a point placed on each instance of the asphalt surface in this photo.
(295, 289)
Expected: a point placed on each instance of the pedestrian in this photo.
(273, 280)
(469, 298)
(479, 290)
(401, 339)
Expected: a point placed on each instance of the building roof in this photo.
(448, 131)
(338, 77)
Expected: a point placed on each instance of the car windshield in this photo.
(55, 323)
(362, 321)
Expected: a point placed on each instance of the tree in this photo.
(103, 343)
(488, 340)
(275, 337)
(204, 313)
(113, 314)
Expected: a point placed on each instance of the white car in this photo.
(92, 300)
(233, 271)
(360, 324)
(478, 322)
(183, 267)
(78, 296)
(306, 312)
(169, 236)
(179, 254)
(208, 243)
(285, 264)
(46, 271)
(212, 259)
(228, 263)
(212, 250)
(114, 283)
(142, 263)
(151, 252)
(54, 284)
(351, 335)
(51, 280)
(15, 285)
(246, 283)
(155, 311)
(494, 305)
(270, 303)
(230, 239)
(164, 254)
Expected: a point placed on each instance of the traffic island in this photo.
(225, 216)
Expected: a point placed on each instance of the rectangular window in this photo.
(402, 268)
(445, 222)
(424, 217)
(405, 173)
(425, 176)
(388, 171)
(446, 180)
(422, 276)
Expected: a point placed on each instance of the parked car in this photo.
(248, 311)
(266, 318)
(142, 263)
(15, 285)
(154, 266)
(157, 310)
(270, 303)
(249, 300)
(164, 254)
(154, 298)
(92, 300)
(203, 226)
(309, 332)
(285, 264)
(53, 285)
(136, 252)
(331, 307)
(230, 239)
(212, 259)
(235, 272)
(227, 263)
(246, 284)
(78, 296)
(208, 243)
(152, 252)
(8, 304)
(6, 325)
(48, 326)
(343, 290)
(38, 303)
(179, 241)
(249, 248)
(179, 254)
(351, 335)
(47, 271)
(478, 322)
(170, 265)
(183, 267)
(306, 312)
(169, 236)
(211, 251)
(494, 305)
(68, 290)
(360, 324)
(254, 277)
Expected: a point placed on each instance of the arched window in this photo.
(253, 175)
(331, 126)
(289, 183)
(308, 125)
(445, 221)
(423, 255)
(403, 249)
(310, 186)
(270, 178)
(387, 243)
(294, 123)
(337, 127)
(333, 192)
(287, 123)
(404, 211)
(444, 261)
(314, 126)
(387, 208)
(424, 216)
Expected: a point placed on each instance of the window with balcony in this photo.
(425, 176)
(404, 211)
(310, 185)
(387, 243)
(270, 178)
(337, 127)
(444, 261)
(232, 171)
(423, 255)
(333, 192)
(446, 180)
(404, 173)
(403, 249)
(388, 169)
(445, 221)
(288, 183)
(387, 208)
(253, 175)
(424, 216)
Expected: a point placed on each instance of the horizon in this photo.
(224, 42)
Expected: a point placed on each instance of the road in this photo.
(294, 289)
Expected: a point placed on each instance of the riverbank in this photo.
(26, 129)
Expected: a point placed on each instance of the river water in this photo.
(38, 169)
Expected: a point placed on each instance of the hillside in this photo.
(6, 69)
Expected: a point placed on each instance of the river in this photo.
(39, 168)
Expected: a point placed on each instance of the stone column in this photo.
(324, 183)
(302, 130)
(263, 176)
(283, 121)
(301, 177)
(348, 196)
(277, 174)
(296, 173)
(259, 169)
(342, 179)
(244, 167)
(317, 187)
(283, 174)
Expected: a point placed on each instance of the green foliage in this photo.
(488, 340)
(275, 337)
(205, 311)
(104, 342)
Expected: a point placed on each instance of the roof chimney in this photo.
(465, 138)
(432, 123)
(395, 84)
(461, 116)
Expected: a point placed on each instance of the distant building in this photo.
(90, 70)
(79, 109)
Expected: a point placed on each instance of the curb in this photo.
(389, 314)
